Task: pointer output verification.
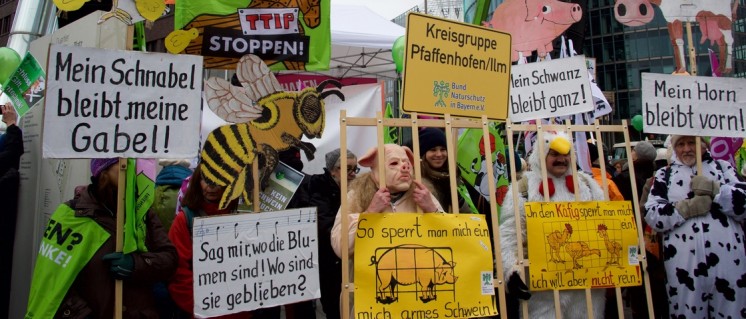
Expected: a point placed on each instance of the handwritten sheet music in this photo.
(244, 262)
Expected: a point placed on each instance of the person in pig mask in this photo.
(401, 194)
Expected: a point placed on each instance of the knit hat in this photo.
(183, 162)
(675, 138)
(99, 165)
(645, 151)
(333, 157)
(430, 138)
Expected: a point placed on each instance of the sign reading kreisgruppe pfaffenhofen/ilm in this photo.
(456, 68)
(693, 105)
(549, 89)
(107, 103)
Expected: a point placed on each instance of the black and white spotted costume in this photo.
(541, 304)
(704, 256)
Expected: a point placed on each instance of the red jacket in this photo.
(181, 284)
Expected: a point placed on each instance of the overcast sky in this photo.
(389, 9)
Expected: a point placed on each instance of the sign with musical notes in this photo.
(244, 262)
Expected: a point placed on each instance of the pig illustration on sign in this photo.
(407, 265)
(715, 18)
(534, 24)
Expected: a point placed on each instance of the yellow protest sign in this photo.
(410, 265)
(575, 245)
(457, 68)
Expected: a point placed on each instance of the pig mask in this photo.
(398, 161)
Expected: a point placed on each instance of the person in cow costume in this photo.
(700, 217)
(561, 189)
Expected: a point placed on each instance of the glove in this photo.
(517, 287)
(120, 265)
(704, 186)
(696, 206)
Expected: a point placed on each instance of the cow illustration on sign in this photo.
(405, 265)
(715, 18)
(534, 24)
(267, 120)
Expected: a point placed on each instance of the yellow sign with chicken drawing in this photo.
(410, 265)
(577, 245)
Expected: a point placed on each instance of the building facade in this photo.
(623, 53)
(7, 13)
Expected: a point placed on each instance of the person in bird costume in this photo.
(561, 189)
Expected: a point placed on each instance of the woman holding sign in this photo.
(201, 199)
(77, 264)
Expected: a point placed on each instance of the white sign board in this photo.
(693, 105)
(105, 103)
(549, 89)
(248, 261)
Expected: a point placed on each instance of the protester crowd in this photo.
(699, 220)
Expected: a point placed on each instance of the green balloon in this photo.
(637, 122)
(9, 61)
(397, 52)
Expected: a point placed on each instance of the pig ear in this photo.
(369, 158)
(409, 154)
(533, 7)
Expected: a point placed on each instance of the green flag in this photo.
(139, 196)
(391, 133)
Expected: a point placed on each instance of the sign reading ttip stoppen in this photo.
(693, 105)
(455, 68)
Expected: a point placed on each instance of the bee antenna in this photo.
(323, 84)
(324, 94)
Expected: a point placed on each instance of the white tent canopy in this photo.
(361, 43)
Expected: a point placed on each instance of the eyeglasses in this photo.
(351, 169)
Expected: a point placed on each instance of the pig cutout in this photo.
(715, 18)
(534, 24)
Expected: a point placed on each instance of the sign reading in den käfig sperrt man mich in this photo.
(456, 68)
(693, 105)
(550, 89)
(104, 103)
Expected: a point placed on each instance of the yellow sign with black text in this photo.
(410, 265)
(577, 245)
(455, 68)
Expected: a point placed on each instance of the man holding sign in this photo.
(700, 217)
(531, 189)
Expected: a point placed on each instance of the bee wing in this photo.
(256, 77)
(229, 102)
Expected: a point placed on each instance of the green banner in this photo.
(473, 167)
(25, 87)
(286, 35)
(69, 243)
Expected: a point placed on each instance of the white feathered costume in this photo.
(541, 304)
